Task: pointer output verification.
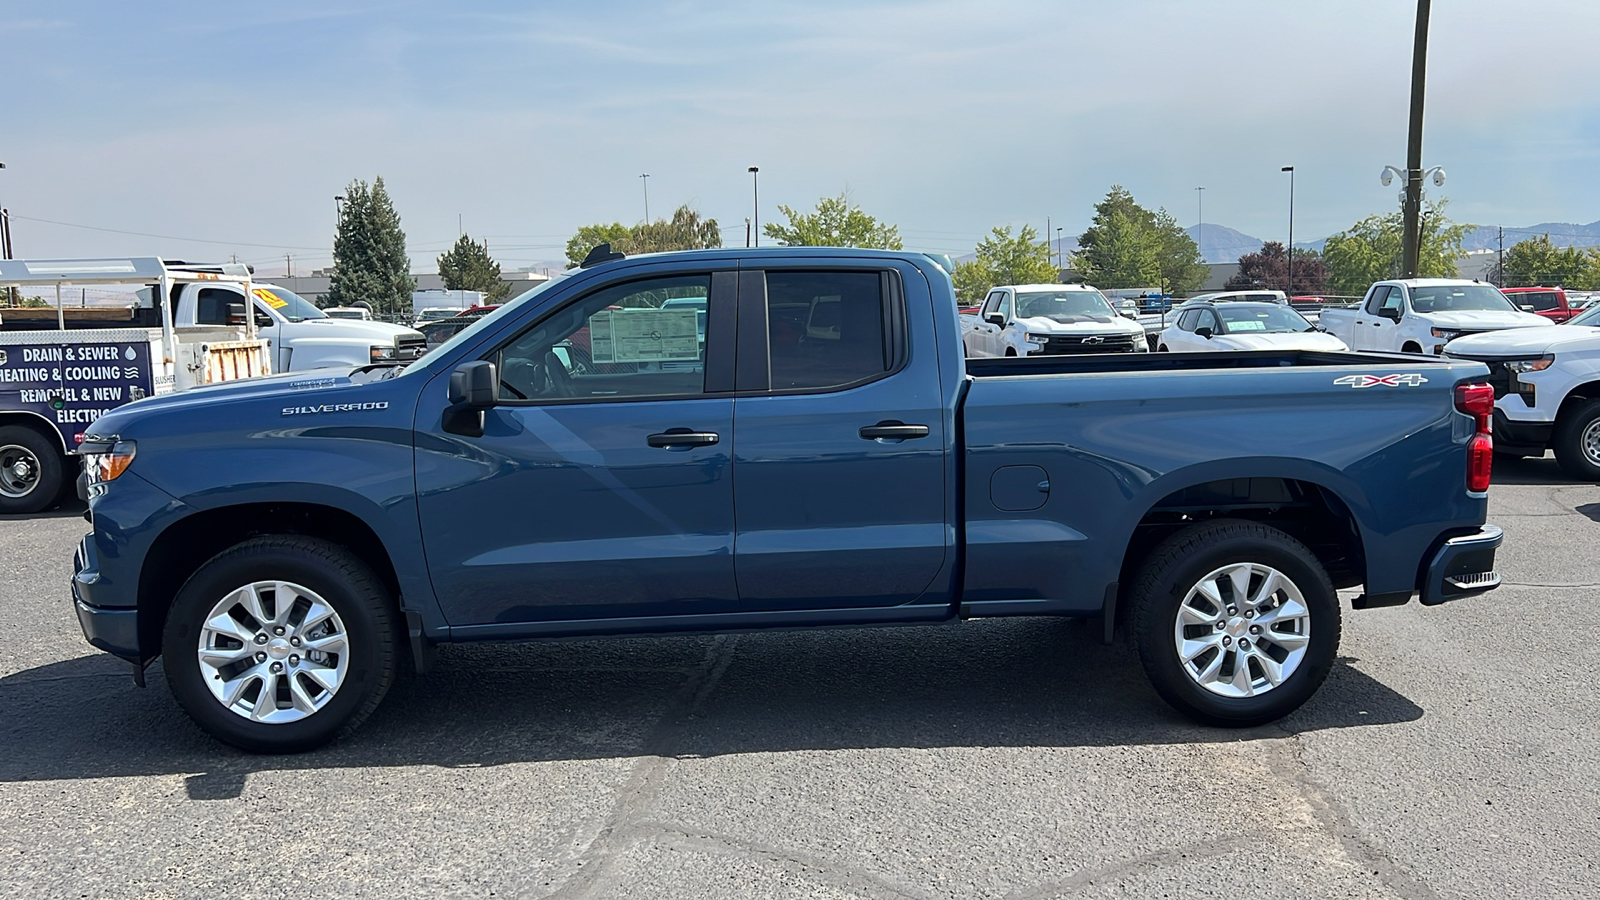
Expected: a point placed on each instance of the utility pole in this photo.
(755, 194)
(1061, 251)
(1047, 237)
(1290, 253)
(747, 231)
(1500, 259)
(1411, 210)
(288, 266)
(644, 179)
(1200, 226)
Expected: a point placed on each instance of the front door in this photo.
(1375, 331)
(601, 486)
(840, 466)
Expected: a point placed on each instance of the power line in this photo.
(165, 237)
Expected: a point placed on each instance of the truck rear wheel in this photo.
(1236, 622)
(31, 470)
(280, 644)
(1577, 440)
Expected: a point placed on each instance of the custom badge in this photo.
(1410, 379)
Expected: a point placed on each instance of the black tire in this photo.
(343, 582)
(1568, 441)
(1177, 565)
(41, 489)
(1163, 349)
(1011, 351)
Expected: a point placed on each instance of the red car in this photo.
(1550, 302)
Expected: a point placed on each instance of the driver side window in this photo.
(640, 339)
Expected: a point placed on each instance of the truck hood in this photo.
(294, 388)
(1483, 319)
(1287, 340)
(1524, 341)
(352, 330)
(1081, 325)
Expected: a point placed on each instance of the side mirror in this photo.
(474, 385)
(1204, 332)
(1527, 307)
(236, 313)
(995, 318)
(1389, 313)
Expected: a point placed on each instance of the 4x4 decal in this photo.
(1411, 379)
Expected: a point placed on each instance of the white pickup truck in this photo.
(1048, 319)
(1547, 390)
(300, 335)
(1421, 315)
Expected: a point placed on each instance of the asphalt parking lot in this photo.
(1451, 753)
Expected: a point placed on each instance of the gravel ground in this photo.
(1449, 754)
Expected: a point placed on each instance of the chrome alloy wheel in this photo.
(273, 652)
(1242, 630)
(19, 471)
(1590, 442)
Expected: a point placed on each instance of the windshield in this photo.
(1590, 317)
(1457, 297)
(1262, 319)
(290, 305)
(471, 332)
(1063, 306)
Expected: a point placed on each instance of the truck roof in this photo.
(1431, 282)
(1028, 288)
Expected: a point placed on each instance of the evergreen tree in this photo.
(468, 267)
(1129, 246)
(369, 253)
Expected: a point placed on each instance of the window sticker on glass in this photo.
(269, 298)
(645, 335)
(1247, 325)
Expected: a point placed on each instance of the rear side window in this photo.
(211, 306)
(1539, 300)
(826, 329)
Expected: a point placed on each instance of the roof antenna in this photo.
(601, 254)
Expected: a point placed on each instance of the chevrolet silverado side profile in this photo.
(1421, 315)
(568, 466)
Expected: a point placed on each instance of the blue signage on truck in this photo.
(72, 385)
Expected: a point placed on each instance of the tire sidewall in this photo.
(364, 622)
(1158, 617)
(1569, 441)
(51, 471)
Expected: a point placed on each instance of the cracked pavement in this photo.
(1449, 753)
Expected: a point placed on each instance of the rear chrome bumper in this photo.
(1462, 567)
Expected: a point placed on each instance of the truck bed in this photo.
(1101, 363)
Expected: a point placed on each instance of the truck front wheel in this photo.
(31, 470)
(1236, 623)
(1577, 440)
(280, 644)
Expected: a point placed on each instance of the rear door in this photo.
(839, 464)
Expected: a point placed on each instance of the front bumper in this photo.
(1463, 566)
(1510, 434)
(115, 631)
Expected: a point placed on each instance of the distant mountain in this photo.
(1221, 244)
(1562, 234)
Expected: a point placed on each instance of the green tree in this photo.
(369, 253)
(1129, 246)
(591, 236)
(468, 267)
(1370, 250)
(1539, 262)
(684, 231)
(836, 223)
(1004, 259)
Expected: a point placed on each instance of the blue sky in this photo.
(237, 124)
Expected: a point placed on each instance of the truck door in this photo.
(988, 337)
(1383, 310)
(839, 441)
(601, 485)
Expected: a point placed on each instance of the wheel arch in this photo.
(182, 547)
(27, 418)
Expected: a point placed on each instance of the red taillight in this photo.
(1480, 459)
(1477, 401)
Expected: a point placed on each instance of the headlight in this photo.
(1530, 365)
(1446, 333)
(390, 353)
(106, 462)
(1039, 338)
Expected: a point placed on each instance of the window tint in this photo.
(1538, 299)
(211, 307)
(621, 341)
(826, 329)
(1208, 319)
(1187, 321)
(1379, 295)
(993, 303)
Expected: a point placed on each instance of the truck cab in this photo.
(300, 335)
(1421, 315)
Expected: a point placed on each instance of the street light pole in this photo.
(338, 209)
(755, 193)
(1411, 211)
(1290, 170)
(644, 179)
(1061, 252)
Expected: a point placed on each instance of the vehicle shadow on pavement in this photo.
(996, 683)
(71, 509)
(1531, 470)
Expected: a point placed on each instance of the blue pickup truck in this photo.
(811, 449)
